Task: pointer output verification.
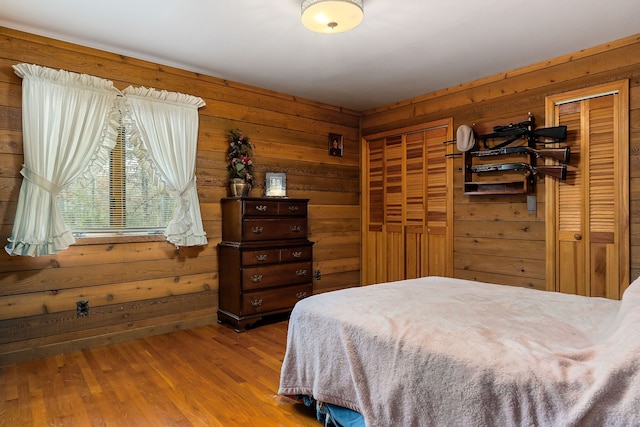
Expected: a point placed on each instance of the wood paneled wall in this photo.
(140, 288)
(496, 239)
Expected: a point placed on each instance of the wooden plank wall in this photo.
(140, 288)
(495, 238)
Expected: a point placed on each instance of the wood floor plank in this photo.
(206, 376)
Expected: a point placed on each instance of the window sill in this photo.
(106, 238)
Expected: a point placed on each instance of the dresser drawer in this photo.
(262, 208)
(273, 256)
(276, 275)
(255, 229)
(297, 253)
(292, 208)
(274, 299)
(261, 256)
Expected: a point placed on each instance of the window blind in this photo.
(121, 197)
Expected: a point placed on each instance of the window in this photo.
(67, 117)
(120, 199)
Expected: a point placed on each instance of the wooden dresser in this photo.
(265, 258)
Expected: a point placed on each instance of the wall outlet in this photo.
(532, 204)
(82, 308)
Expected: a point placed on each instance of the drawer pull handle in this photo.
(257, 278)
(301, 273)
(301, 295)
(262, 257)
(296, 228)
(297, 254)
(256, 302)
(261, 208)
(256, 230)
(293, 208)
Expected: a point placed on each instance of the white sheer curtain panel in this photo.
(69, 126)
(166, 145)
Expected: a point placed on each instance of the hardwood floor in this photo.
(207, 376)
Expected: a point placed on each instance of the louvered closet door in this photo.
(587, 215)
(415, 206)
(373, 241)
(437, 243)
(394, 219)
(406, 230)
(571, 245)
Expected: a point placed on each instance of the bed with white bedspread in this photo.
(438, 351)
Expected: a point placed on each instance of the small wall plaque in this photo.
(336, 144)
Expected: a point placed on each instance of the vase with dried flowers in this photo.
(240, 165)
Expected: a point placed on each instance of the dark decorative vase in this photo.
(239, 188)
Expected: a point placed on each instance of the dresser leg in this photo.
(240, 324)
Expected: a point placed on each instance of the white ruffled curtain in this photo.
(167, 123)
(69, 124)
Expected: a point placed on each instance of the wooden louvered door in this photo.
(393, 219)
(588, 214)
(407, 209)
(374, 216)
(425, 203)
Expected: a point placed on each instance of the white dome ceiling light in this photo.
(331, 16)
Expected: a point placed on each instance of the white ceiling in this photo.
(403, 48)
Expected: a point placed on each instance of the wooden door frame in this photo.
(621, 88)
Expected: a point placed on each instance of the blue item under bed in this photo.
(333, 415)
(343, 417)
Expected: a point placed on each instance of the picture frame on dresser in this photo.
(275, 184)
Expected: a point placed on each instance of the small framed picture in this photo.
(275, 185)
(335, 144)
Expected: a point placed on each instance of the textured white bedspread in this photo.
(446, 352)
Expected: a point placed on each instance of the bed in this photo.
(439, 351)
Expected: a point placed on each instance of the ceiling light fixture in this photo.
(331, 16)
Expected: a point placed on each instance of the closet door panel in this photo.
(407, 206)
(571, 277)
(602, 187)
(415, 205)
(437, 193)
(394, 200)
(374, 238)
(588, 214)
